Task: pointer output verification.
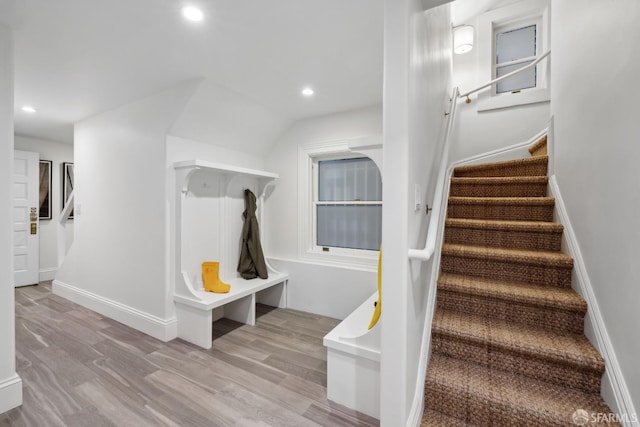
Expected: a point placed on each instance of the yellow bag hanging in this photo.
(376, 312)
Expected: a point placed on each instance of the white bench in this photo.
(195, 312)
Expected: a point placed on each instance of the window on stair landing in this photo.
(347, 204)
(510, 38)
(515, 48)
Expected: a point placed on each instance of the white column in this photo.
(10, 383)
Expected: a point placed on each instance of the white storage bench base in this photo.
(195, 315)
(353, 361)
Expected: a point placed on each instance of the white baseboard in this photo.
(47, 274)
(10, 393)
(162, 329)
(614, 387)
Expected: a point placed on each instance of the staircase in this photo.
(508, 344)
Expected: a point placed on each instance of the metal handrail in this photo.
(430, 244)
(506, 76)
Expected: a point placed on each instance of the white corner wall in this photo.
(179, 149)
(116, 265)
(10, 383)
(595, 73)
(325, 289)
(417, 88)
(58, 153)
(477, 132)
(226, 118)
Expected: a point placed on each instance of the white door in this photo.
(26, 246)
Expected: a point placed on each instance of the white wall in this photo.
(58, 153)
(179, 149)
(479, 132)
(10, 384)
(117, 262)
(229, 119)
(595, 72)
(335, 291)
(417, 87)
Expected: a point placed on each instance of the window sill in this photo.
(487, 102)
(342, 259)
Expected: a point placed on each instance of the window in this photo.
(515, 48)
(347, 204)
(340, 202)
(509, 38)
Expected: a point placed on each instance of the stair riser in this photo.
(528, 169)
(501, 212)
(478, 412)
(493, 190)
(541, 317)
(509, 360)
(503, 270)
(528, 240)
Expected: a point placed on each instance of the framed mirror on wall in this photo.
(45, 190)
(67, 184)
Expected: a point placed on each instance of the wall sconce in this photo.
(462, 39)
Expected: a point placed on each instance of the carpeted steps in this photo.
(508, 344)
(531, 235)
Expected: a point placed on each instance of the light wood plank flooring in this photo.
(81, 369)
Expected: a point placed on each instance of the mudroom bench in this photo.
(206, 206)
(196, 316)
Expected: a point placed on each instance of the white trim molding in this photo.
(614, 387)
(10, 393)
(48, 274)
(162, 329)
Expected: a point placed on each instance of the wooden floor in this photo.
(81, 369)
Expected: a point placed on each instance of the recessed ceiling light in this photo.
(192, 13)
(307, 91)
(28, 109)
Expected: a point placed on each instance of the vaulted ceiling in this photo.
(77, 58)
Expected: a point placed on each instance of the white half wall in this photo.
(280, 226)
(58, 153)
(119, 249)
(417, 89)
(10, 383)
(594, 75)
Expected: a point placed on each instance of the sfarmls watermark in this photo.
(581, 417)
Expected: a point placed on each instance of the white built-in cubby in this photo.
(208, 221)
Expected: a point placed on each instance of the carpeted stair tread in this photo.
(531, 235)
(484, 396)
(545, 258)
(546, 307)
(438, 419)
(539, 148)
(559, 348)
(502, 208)
(530, 186)
(541, 296)
(532, 166)
(492, 224)
(545, 201)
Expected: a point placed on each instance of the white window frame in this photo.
(308, 157)
(518, 15)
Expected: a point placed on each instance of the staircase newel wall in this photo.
(416, 92)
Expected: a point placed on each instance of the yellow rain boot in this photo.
(211, 280)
